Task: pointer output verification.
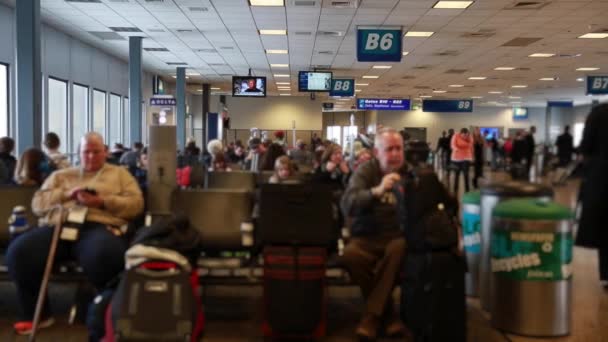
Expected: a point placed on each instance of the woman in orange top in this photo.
(462, 156)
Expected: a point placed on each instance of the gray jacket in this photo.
(371, 216)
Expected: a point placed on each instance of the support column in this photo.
(206, 99)
(180, 118)
(135, 93)
(29, 76)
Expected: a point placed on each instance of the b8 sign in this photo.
(342, 87)
(379, 45)
(597, 85)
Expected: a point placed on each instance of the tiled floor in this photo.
(233, 313)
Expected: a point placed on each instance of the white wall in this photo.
(481, 116)
(67, 58)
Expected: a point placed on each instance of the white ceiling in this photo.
(219, 38)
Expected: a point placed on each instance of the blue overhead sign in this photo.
(342, 87)
(379, 45)
(565, 104)
(384, 104)
(597, 85)
(443, 106)
(163, 101)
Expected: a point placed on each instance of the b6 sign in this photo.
(379, 45)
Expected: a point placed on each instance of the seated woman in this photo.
(107, 196)
(284, 171)
(32, 168)
(273, 152)
(218, 163)
(333, 169)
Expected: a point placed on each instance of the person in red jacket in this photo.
(462, 156)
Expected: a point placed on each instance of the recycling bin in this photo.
(471, 231)
(531, 264)
(491, 194)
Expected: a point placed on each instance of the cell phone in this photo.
(90, 191)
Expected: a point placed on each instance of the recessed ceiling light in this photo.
(283, 83)
(477, 97)
(580, 79)
(285, 94)
(276, 52)
(281, 75)
(175, 76)
(381, 67)
(274, 32)
(439, 91)
(266, 3)
(477, 78)
(358, 90)
(515, 97)
(405, 53)
(419, 34)
(284, 88)
(452, 4)
(212, 88)
(425, 96)
(361, 84)
(515, 102)
(192, 73)
(456, 85)
(519, 86)
(279, 65)
(587, 69)
(504, 68)
(595, 35)
(495, 92)
(371, 76)
(542, 55)
(548, 79)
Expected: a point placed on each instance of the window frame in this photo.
(8, 97)
(67, 108)
(105, 114)
(120, 114)
(74, 150)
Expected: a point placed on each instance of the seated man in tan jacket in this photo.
(107, 196)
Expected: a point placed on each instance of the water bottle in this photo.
(18, 222)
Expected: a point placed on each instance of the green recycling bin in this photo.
(531, 264)
(471, 231)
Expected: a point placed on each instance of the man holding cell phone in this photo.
(100, 200)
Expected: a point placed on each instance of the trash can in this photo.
(471, 231)
(531, 268)
(491, 194)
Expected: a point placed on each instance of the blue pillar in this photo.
(135, 96)
(180, 118)
(29, 77)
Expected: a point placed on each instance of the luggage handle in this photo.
(156, 273)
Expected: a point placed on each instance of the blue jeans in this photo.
(97, 250)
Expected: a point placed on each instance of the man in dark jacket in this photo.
(373, 255)
(592, 230)
(565, 147)
(531, 146)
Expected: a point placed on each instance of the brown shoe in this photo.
(368, 327)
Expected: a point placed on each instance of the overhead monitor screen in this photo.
(314, 81)
(248, 86)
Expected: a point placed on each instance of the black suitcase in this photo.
(294, 292)
(433, 303)
(156, 301)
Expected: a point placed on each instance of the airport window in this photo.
(3, 100)
(80, 113)
(99, 112)
(58, 109)
(114, 120)
(125, 121)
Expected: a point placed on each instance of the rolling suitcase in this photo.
(433, 303)
(294, 292)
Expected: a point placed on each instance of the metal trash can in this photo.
(491, 194)
(471, 231)
(531, 268)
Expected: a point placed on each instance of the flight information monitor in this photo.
(314, 81)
